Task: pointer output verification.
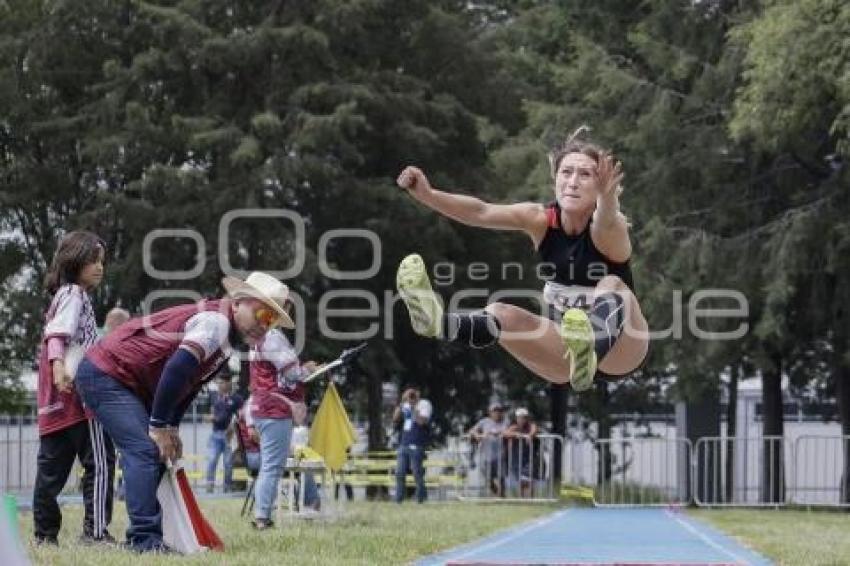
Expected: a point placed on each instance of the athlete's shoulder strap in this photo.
(553, 215)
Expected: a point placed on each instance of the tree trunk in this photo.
(773, 481)
(841, 373)
(605, 461)
(376, 438)
(731, 431)
(558, 394)
(841, 376)
(702, 420)
(375, 412)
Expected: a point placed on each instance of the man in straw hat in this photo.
(140, 379)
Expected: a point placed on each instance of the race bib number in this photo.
(562, 297)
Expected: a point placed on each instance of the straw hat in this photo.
(263, 287)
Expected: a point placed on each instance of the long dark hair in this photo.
(76, 250)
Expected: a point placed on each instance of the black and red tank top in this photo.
(574, 260)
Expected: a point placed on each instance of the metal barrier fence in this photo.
(820, 465)
(509, 469)
(753, 472)
(642, 472)
(19, 452)
(715, 472)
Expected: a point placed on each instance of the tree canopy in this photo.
(732, 121)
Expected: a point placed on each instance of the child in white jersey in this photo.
(66, 430)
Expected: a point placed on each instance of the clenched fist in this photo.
(414, 181)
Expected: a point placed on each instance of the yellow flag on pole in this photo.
(332, 434)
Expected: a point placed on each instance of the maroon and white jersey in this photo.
(70, 317)
(275, 373)
(136, 352)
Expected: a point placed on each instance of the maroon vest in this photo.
(136, 352)
(57, 410)
(266, 402)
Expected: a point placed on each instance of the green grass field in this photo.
(790, 537)
(367, 533)
(386, 533)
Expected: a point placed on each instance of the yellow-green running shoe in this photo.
(578, 339)
(424, 306)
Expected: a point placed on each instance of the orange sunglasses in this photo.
(267, 317)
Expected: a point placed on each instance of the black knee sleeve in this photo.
(478, 329)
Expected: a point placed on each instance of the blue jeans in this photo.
(125, 419)
(252, 461)
(311, 490)
(410, 457)
(217, 445)
(274, 449)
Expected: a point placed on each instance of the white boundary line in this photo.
(707, 540)
(505, 537)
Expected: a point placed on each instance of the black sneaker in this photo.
(46, 541)
(262, 524)
(89, 539)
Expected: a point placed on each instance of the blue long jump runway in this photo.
(645, 537)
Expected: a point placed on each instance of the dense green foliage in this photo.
(731, 119)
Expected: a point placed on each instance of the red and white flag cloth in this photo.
(184, 527)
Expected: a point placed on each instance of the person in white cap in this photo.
(140, 379)
(523, 452)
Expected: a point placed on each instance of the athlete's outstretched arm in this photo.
(527, 217)
(610, 229)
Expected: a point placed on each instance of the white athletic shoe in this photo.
(578, 336)
(423, 305)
